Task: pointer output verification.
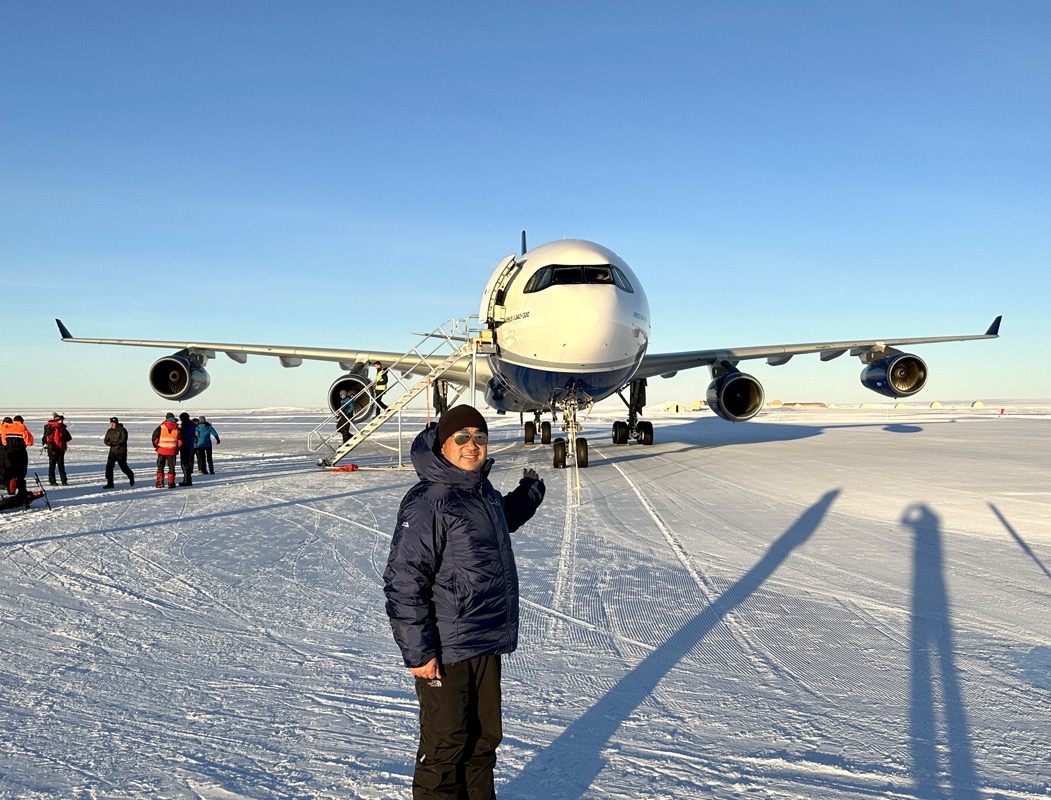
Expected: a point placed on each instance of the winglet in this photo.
(994, 329)
(63, 330)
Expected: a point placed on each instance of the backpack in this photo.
(58, 435)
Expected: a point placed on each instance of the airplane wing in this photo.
(293, 356)
(668, 364)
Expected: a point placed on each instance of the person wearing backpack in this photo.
(56, 436)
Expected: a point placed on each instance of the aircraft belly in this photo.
(543, 386)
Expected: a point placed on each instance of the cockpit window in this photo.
(561, 275)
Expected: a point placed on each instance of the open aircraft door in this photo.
(491, 312)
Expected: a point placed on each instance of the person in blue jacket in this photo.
(452, 599)
(203, 448)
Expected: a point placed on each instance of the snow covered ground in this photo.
(816, 604)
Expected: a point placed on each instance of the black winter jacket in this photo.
(117, 439)
(451, 582)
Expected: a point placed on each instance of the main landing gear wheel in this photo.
(620, 432)
(560, 454)
(530, 432)
(582, 452)
(545, 432)
(646, 432)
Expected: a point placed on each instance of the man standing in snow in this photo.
(166, 441)
(116, 439)
(452, 599)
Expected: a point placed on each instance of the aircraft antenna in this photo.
(523, 243)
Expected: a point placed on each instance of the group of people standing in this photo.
(15, 441)
(187, 438)
(191, 441)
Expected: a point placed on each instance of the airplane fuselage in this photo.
(570, 321)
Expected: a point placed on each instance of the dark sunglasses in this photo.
(463, 437)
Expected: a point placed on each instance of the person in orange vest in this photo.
(16, 440)
(167, 441)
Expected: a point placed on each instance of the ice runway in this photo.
(815, 604)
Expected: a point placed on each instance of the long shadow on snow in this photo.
(573, 759)
(711, 432)
(1021, 542)
(168, 522)
(933, 649)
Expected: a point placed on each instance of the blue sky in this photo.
(343, 174)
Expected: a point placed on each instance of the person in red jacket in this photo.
(16, 440)
(56, 437)
(167, 441)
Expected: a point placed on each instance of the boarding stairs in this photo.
(454, 334)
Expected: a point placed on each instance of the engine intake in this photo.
(357, 387)
(735, 396)
(178, 377)
(900, 375)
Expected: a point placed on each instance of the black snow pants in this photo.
(460, 728)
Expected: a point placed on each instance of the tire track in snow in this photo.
(564, 589)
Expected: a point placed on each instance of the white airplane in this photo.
(570, 325)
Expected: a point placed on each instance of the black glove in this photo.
(531, 474)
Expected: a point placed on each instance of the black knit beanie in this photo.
(456, 419)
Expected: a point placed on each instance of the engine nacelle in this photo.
(900, 375)
(357, 387)
(735, 396)
(178, 377)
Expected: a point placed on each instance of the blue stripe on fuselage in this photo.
(543, 387)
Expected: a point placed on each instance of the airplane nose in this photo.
(588, 317)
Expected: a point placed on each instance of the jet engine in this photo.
(180, 376)
(735, 396)
(357, 386)
(899, 375)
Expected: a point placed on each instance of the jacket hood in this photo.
(434, 467)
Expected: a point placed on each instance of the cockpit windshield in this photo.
(561, 275)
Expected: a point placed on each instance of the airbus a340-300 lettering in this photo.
(567, 324)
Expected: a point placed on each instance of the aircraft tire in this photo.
(530, 432)
(582, 452)
(560, 454)
(620, 432)
(646, 432)
(545, 432)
